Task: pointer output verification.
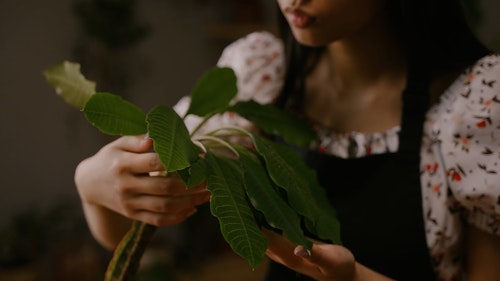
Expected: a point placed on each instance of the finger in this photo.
(280, 249)
(326, 255)
(163, 204)
(329, 260)
(164, 210)
(144, 163)
(135, 144)
(174, 204)
(159, 219)
(283, 251)
(160, 186)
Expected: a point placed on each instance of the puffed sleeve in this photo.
(471, 148)
(257, 60)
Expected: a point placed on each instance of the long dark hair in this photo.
(435, 32)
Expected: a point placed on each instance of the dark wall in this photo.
(41, 138)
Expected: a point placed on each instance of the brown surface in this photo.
(228, 267)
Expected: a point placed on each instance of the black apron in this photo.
(378, 202)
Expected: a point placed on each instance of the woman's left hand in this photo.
(325, 262)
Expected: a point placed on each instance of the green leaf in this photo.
(230, 205)
(278, 122)
(213, 92)
(304, 193)
(171, 139)
(69, 83)
(113, 115)
(195, 174)
(265, 198)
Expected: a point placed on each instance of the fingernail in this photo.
(301, 251)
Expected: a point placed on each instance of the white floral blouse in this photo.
(460, 153)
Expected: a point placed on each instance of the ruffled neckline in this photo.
(356, 144)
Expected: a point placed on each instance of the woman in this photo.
(404, 99)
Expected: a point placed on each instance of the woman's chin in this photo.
(310, 40)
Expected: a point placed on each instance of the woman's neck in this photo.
(365, 58)
(357, 83)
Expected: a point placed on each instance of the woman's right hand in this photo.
(118, 179)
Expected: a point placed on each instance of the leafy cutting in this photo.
(254, 182)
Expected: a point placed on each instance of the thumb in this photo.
(325, 254)
(327, 257)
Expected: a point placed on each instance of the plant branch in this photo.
(217, 140)
(198, 127)
(241, 131)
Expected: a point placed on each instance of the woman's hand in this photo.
(119, 178)
(325, 262)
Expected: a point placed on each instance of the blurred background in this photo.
(150, 52)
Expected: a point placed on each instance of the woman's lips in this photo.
(299, 19)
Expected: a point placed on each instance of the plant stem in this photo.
(230, 128)
(125, 262)
(219, 141)
(198, 127)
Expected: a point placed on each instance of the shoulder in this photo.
(254, 44)
(487, 64)
(484, 74)
(476, 92)
(258, 61)
(468, 114)
(465, 125)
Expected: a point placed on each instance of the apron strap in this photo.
(415, 105)
(415, 97)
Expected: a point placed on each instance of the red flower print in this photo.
(455, 174)
(437, 188)
(471, 77)
(481, 124)
(462, 141)
(484, 121)
(432, 167)
(322, 149)
(273, 56)
(435, 167)
(368, 150)
(265, 78)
